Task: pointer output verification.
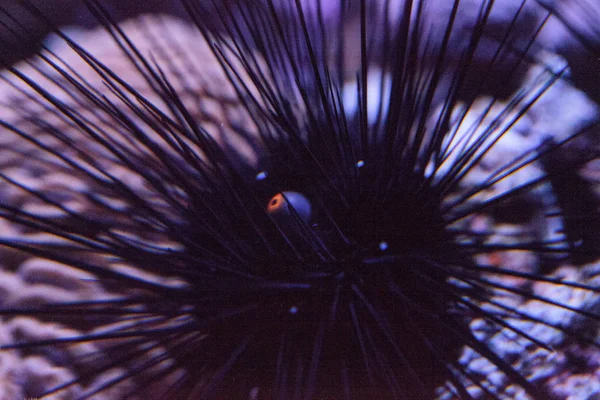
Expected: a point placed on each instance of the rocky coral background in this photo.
(60, 13)
(572, 370)
(29, 281)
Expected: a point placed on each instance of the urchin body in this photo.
(178, 173)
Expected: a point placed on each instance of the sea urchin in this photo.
(294, 200)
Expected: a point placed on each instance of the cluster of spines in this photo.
(283, 76)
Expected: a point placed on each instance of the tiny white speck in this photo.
(383, 246)
(293, 310)
(261, 175)
(360, 163)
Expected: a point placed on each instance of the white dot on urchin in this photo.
(261, 175)
(383, 246)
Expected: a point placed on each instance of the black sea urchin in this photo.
(299, 200)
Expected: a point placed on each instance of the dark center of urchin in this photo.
(350, 295)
